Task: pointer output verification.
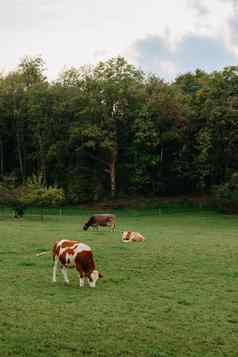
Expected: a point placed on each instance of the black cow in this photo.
(19, 210)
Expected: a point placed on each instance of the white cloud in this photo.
(151, 33)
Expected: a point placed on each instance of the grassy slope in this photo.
(174, 295)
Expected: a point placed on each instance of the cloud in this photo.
(211, 44)
(231, 33)
(200, 33)
(155, 54)
(234, 31)
(199, 7)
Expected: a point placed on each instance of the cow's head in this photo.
(126, 236)
(85, 227)
(93, 278)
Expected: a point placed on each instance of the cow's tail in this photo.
(43, 253)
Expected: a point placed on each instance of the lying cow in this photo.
(104, 220)
(70, 254)
(132, 237)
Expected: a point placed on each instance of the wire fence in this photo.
(78, 211)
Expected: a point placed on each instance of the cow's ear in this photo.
(100, 275)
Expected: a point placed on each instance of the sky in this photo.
(167, 38)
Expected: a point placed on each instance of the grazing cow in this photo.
(104, 220)
(73, 254)
(132, 237)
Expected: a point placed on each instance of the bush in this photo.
(35, 193)
(225, 197)
(8, 192)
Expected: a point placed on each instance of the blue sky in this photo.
(163, 37)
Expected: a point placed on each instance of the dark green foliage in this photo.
(110, 130)
(225, 197)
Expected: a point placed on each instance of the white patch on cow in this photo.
(70, 260)
(55, 269)
(62, 250)
(133, 237)
(82, 247)
(61, 242)
(124, 234)
(81, 282)
(94, 277)
(65, 274)
(77, 248)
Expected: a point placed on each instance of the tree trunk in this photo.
(20, 158)
(113, 174)
(1, 157)
(42, 158)
(19, 135)
(161, 154)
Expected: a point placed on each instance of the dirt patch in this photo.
(141, 202)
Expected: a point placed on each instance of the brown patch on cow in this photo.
(55, 250)
(85, 264)
(69, 243)
(62, 258)
(103, 220)
(57, 246)
(70, 251)
(128, 235)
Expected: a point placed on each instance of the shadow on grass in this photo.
(27, 264)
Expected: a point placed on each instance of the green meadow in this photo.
(176, 294)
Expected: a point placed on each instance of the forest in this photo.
(111, 130)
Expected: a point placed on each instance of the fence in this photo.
(78, 211)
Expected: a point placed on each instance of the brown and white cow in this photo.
(104, 220)
(130, 236)
(74, 254)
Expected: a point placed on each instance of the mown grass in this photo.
(174, 295)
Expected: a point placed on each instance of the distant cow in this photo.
(73, 254)
(104, 220)
(132, 237)
(19, 210)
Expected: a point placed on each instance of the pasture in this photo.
(176, 294)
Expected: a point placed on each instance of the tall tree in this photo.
(111, 92)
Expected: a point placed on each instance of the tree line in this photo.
(109, 130)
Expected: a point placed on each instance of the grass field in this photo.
(176, 294)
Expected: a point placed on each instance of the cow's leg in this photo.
(81, 281)
(65, 274)
(86, 280)
(81, 274)
(55, 270)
